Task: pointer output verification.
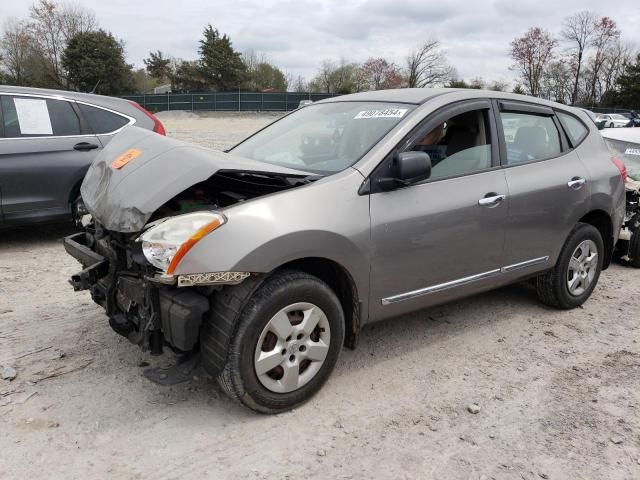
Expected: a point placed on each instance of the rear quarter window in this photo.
(529, 137)
(574, 128)
(101, 121)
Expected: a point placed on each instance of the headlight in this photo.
(166, 243)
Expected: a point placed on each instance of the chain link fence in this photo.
(226, 101)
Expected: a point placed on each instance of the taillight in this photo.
(621, 168)
(157, 124)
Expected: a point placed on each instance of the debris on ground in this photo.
(9, 373)
(473, 408)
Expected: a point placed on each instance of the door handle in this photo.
(85, 146)
(576, 183)
(491, 200)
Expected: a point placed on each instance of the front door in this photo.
(442, 238)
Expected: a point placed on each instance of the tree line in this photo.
(61, 45)
(586, 63)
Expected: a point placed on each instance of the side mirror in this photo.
(413, 166)
(408, 168)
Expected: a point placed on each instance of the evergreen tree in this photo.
(95, 60)
(222, 67)
(629, 85)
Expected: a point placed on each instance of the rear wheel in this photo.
(570, 283)
(286, 343)
(634, 249)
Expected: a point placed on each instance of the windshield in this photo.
(629, 153)
(324, 138)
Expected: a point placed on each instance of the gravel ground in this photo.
(557, 393)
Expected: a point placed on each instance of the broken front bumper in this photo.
(147, 313)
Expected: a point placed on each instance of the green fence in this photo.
(225, 101)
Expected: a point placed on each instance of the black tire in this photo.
(634, 249)
(78, 210)
(238, 377)
(552, 286)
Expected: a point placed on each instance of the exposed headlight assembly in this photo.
(166, 243)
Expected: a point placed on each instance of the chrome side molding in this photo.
(525, 264)
(438, 288)
(401, 297)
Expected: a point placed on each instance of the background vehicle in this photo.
(48, 139)
(599, 122)
(612, 120)
(268, 258)
(633, 117)
(625, 145)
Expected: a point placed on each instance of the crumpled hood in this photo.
(152, 170)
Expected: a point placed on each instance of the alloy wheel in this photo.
(292, 347)
(583, 266)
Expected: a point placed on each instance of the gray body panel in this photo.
(40, 175)
(414, 244)
(124, 199)
(405, 249)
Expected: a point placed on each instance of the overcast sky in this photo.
(298, 34)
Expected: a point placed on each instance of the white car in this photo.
(625, 145)
(613, 120)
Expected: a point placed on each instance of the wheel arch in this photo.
(601, 220)
(342, 283)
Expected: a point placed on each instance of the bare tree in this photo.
(531, 54)
(427, 66)
(74, 19)
(53, 25)
(299, 84)
(16, 50)
(616, 58)
(578, 32)
(378, 73)
(557, 82)
(606, 35)
(252, 59)
(325, 76)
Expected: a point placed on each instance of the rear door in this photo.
(44, 154)
(548, 186)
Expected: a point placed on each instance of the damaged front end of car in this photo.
(151, 199)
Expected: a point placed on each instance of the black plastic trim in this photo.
(514, 106)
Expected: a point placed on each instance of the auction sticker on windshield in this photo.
(632, 151)
(125, 158)
(386, 113)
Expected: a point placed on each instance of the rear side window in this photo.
(529, 137)
(575, 128)
(38, 117)
(102, 121)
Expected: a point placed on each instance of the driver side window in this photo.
(459, 145)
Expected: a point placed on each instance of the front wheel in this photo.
(571, 281)
(286, 344)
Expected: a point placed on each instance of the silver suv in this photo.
(267, 259)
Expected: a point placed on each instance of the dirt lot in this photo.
(559, 392)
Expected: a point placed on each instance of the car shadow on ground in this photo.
(393, 338)
(35, 235)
